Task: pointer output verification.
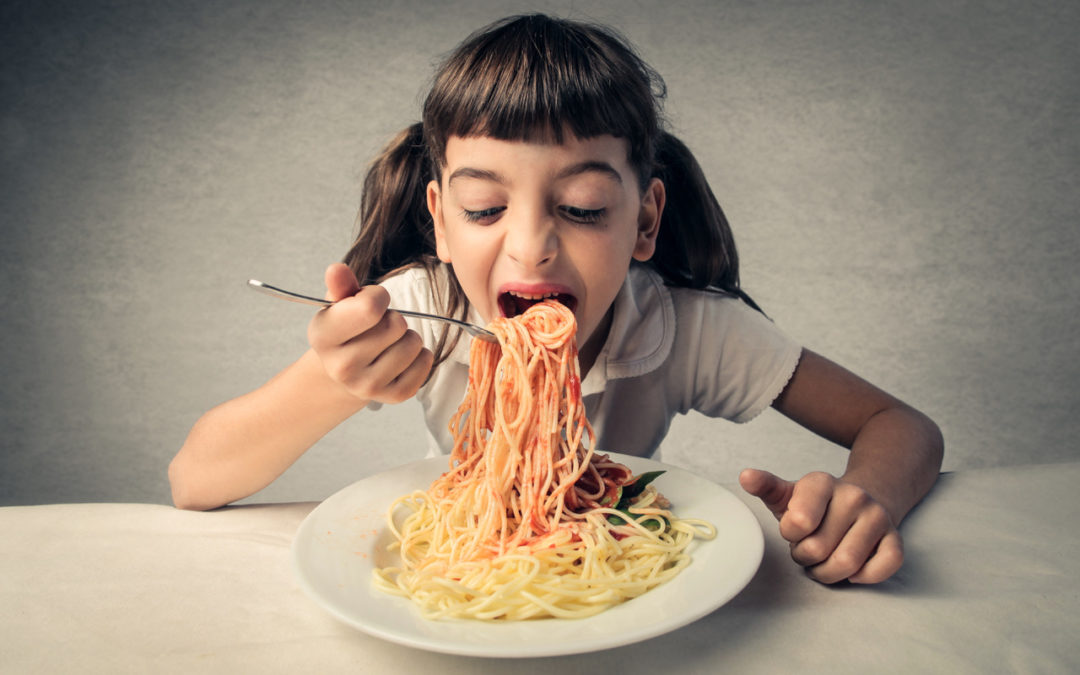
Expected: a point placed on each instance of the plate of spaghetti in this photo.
(525, 541)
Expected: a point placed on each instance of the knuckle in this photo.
(373, 297)
(350, 372)
(796, 523)
(344, 372)
(819, 478)
(892, 556)
(427, 359)
(893, 562)
(367, 307)
(847, 561)
(809, 552)
(412, 341)
(377, 294)
(397, 325)
(884, 564)
(878, 517)
(386, 328)
(400, 389)
(854, 497)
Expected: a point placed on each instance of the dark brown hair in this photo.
(536, 78)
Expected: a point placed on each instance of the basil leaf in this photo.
(632, 490)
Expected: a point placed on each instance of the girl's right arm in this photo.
(359, 352)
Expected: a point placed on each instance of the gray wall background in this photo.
(901, 177)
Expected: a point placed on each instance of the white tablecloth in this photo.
(989, 585)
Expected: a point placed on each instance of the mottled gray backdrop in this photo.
(901, 177)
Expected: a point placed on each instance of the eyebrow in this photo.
(591, 166)
(572, 170)
(470, 172)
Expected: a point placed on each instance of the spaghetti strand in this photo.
(516, 529)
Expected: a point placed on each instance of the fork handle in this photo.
(475, 331)
(288, 295)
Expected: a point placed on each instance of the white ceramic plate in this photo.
(345, 537)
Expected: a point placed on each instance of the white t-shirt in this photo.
(669, 350)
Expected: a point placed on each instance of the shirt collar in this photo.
(641, 334)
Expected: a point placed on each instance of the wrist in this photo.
(896, 457)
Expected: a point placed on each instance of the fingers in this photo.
(397, 372)
(774, 491)
(810, 498)
(845, 544)
(340, 282)
(838, 531)
(355, 314)
(885, 562)
(375, 365)
(364, 347)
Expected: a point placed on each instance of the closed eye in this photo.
(583, 215)
(483, 214)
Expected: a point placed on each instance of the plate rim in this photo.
(753, 552)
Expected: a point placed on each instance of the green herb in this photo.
(632, 490)
(630, 493)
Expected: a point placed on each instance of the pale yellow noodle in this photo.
(513, 530)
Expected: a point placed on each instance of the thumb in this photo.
(774, 491)
(340, 282)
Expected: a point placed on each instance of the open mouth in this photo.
(512, 303)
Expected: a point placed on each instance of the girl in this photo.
(541, 169)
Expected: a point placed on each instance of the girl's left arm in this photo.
(846, 527)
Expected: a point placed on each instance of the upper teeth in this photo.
(533, 296)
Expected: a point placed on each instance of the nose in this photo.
(531, 240)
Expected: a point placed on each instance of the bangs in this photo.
(535, 78)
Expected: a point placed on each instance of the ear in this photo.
(652, 208)
(434, 205)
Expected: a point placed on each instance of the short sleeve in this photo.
(735, 361)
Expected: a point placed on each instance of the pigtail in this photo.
(695, 247)
(395, 227)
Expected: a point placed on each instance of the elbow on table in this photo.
(934, 440)
(924, 437)
(183, 495)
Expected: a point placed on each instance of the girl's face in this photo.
(522, 221)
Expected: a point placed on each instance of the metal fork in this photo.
(470, 328)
